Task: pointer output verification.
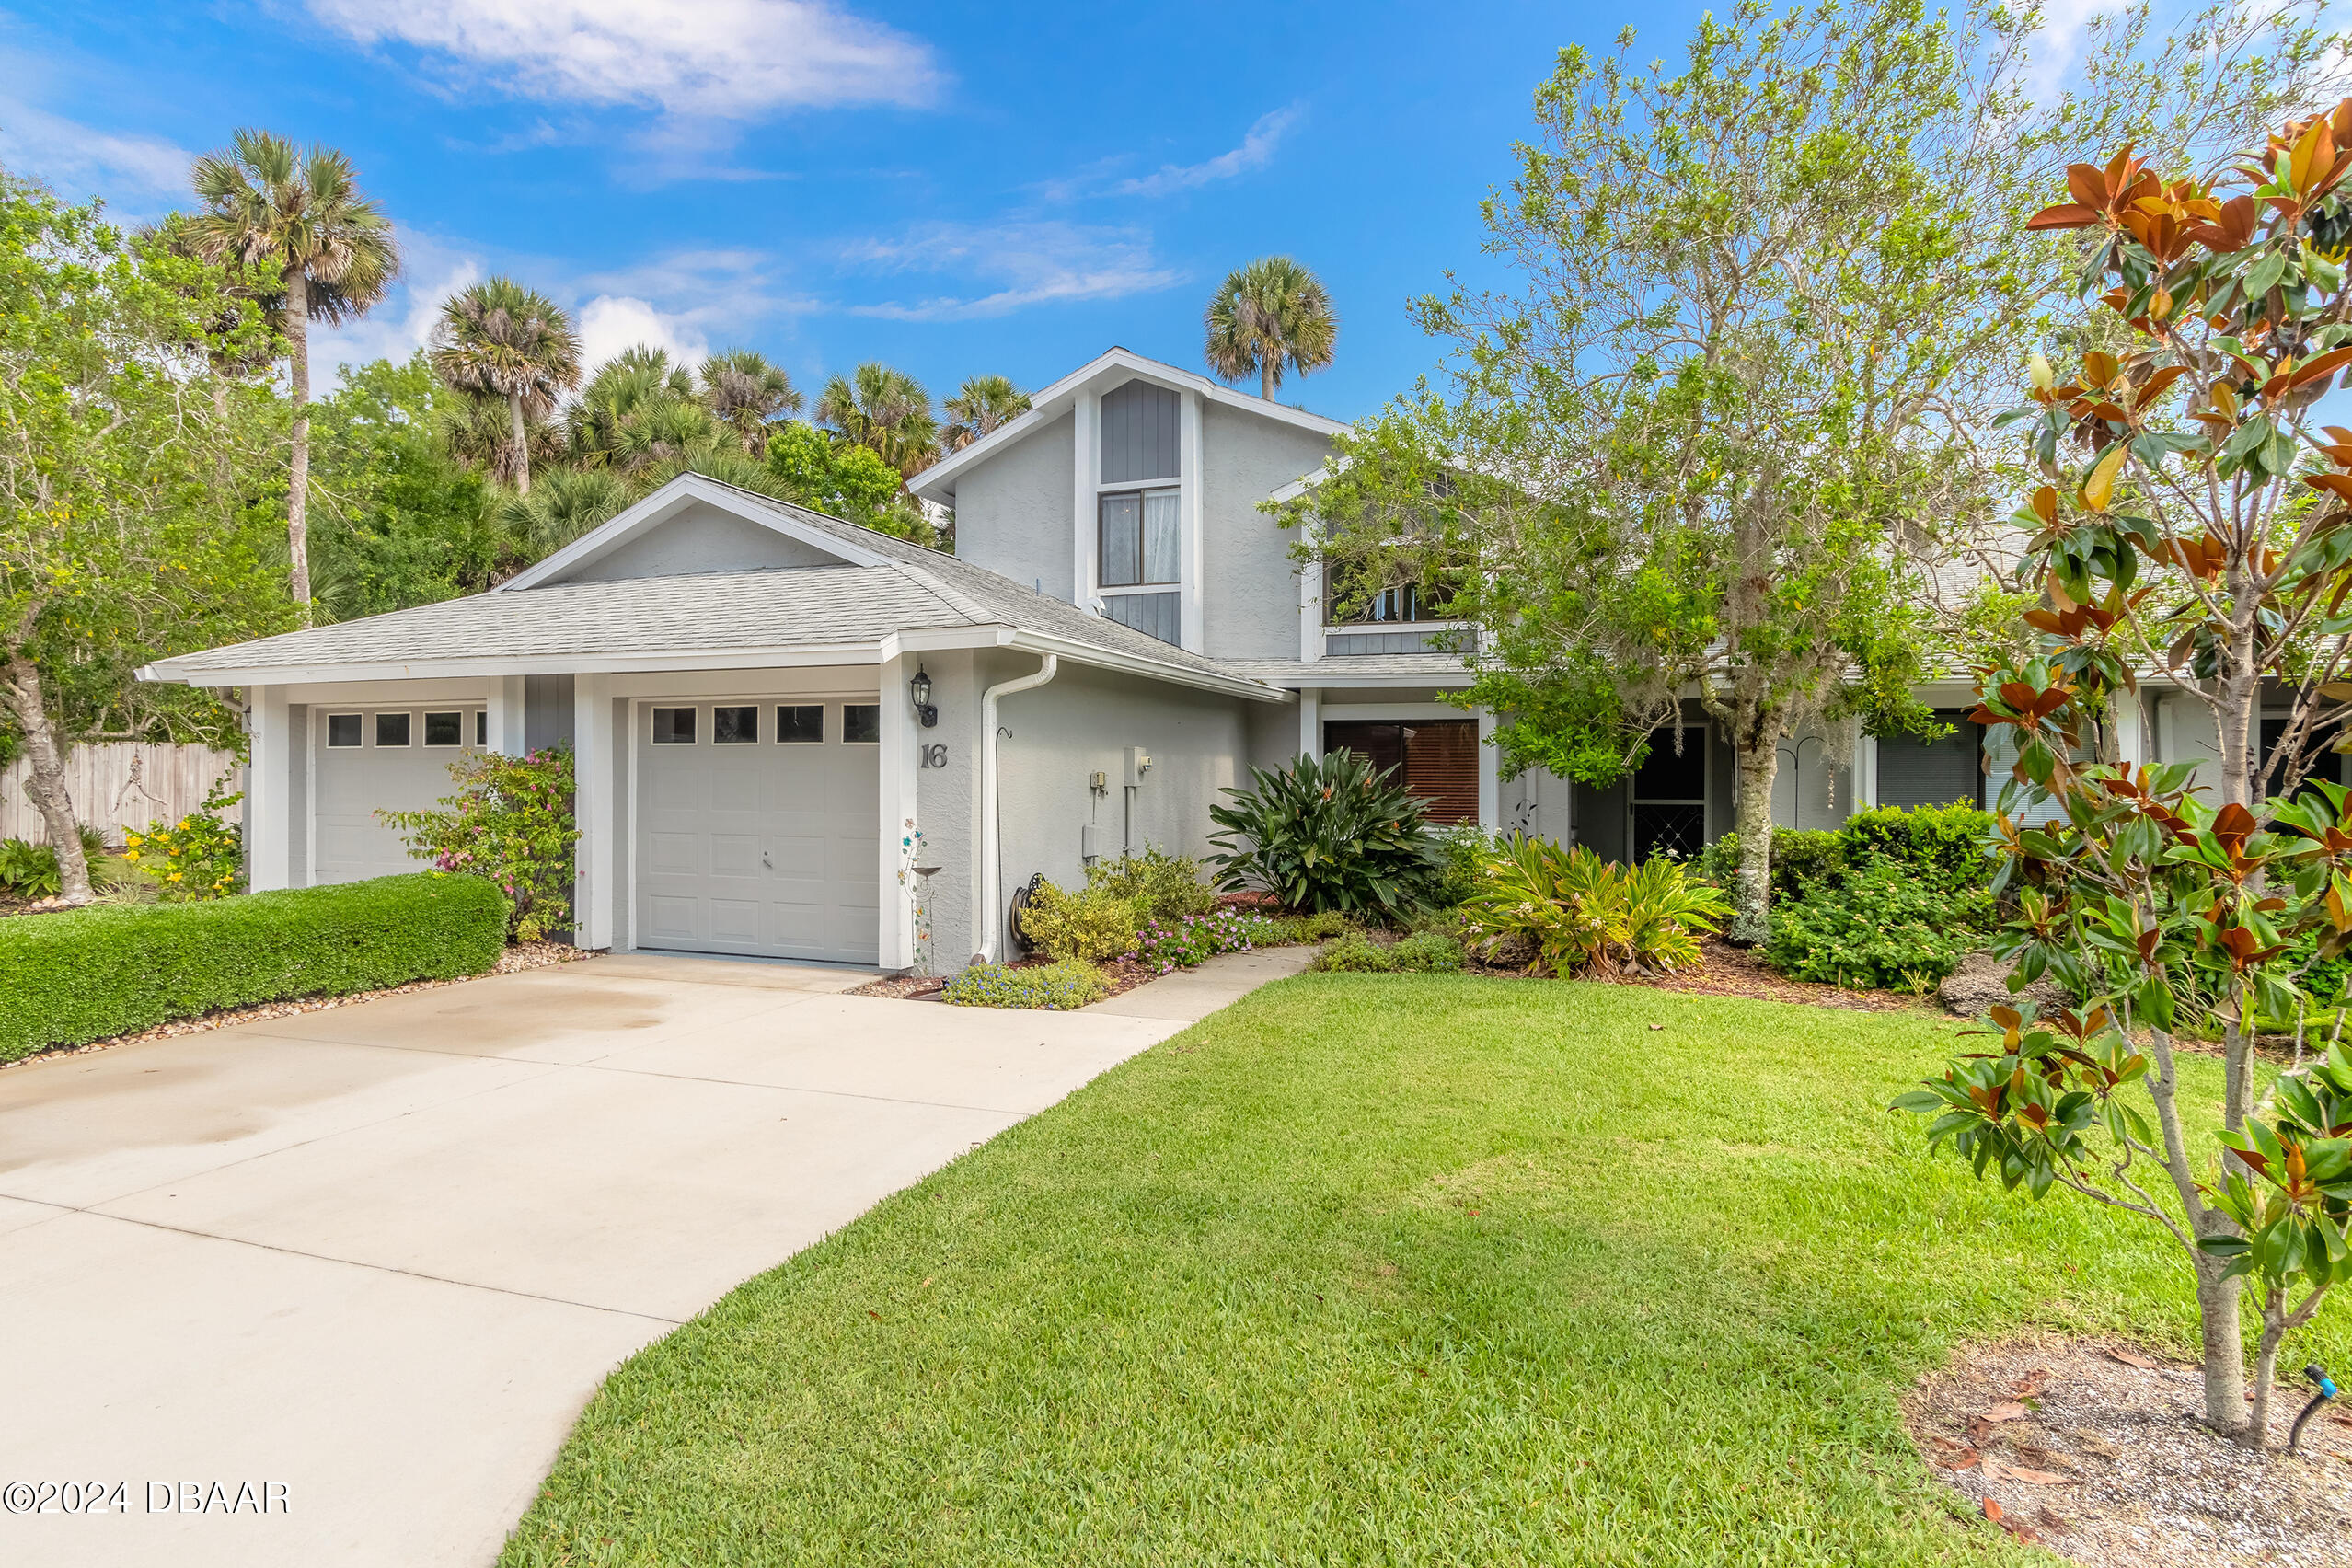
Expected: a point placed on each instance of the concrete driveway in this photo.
(332, 1289)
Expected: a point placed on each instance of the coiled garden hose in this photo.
(2326, 1386)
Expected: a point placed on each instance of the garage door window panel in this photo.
(734, 726)
(345, 731)
(861, 723)
(800, 726)
(392, 730)
(673, 726)
(444, 729)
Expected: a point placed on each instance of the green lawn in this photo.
(1382, 1269)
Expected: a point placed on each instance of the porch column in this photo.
(594, 756)
(1310, 721)
(902, 737)
(1490, 775)
(1865, 770)
(268, 790)
(505, 708)
(2132, 730)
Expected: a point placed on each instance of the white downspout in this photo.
(987, 922)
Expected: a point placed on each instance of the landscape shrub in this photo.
(1883, 926)
(1429, 953)
(1319, 928)
(90, 974)
(1059, 987)
(1464, 848)
(1183, 942)
(28, 869)
(1330, 834)
(1800, 856)
(509, 821)
(200, 856)
(1581, 912)
(1090, 925)
(1160, 885)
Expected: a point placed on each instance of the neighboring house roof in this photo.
(885, 592)
(1118, 366)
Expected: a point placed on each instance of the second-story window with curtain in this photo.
(1141, 542)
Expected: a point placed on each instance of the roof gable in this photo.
(1106, 371)
(692, 527)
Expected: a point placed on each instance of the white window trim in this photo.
(825, 724)
(376, 730)
(654, 707)
(326, 731)
(424, 740)
(844, 723)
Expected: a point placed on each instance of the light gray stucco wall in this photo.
(946, 805)
(1083, 722)
(1249, 605)
(1013, 510)
(1269, 734)
(298, 794)
(701, 539)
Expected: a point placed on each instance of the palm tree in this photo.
(298, 214)
(747, 394)
(1271, 316)
(886, 412)
(981, 404)
(497, 338)
(638, 409)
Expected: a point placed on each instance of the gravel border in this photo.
(2093, 1450)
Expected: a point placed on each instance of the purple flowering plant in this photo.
(1167, 945)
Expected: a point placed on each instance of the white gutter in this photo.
(986, 923)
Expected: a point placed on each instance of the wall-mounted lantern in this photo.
(919, 688)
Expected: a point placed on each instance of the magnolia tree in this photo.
(2195, 536)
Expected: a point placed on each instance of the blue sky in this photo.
(952, 188)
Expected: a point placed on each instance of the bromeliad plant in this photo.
(1582, 913)
(1329, 834)
(2194, 530)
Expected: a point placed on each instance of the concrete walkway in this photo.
(361, 1267)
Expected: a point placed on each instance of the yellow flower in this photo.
(132, 839)
(174, 877)
(183, 825)
(130, 853)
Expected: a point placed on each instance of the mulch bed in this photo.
(2094, 1451)
(1728, 971)
(518, 957)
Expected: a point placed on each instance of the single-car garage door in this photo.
(758, 829)
(364, 760)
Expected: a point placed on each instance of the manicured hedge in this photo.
(69, 979)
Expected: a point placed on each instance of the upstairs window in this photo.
(1353, 597)
(1141, 535)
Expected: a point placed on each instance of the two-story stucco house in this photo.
(798, 739)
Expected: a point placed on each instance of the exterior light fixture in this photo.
(919, 688)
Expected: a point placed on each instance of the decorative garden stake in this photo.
(2194, 534)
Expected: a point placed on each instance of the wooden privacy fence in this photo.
(120, 784)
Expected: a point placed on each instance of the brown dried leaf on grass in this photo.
(2132, 1358)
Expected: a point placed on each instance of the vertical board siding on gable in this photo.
(1140, 433)
(1155, 615)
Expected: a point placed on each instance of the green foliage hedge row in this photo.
(1062, 986)
(92, 974)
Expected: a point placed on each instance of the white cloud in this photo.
(610, 323)
(1035, 263)
(79, 161)
(431, 271)
(1257, 150)
(717, 58)
(2055, 50)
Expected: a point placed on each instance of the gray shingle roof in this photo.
(915, 589)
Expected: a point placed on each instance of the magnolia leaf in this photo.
(2100, 486)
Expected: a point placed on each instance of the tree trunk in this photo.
(2274, 1329)
(298, 476)
(1759, 763)
(45, 780)
(521, 464)
(2225, 1352)
(1266, 379)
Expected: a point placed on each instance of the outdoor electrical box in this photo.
(1098, 782)
(1138, 764)
(1090, 846)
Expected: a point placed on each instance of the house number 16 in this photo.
(934, 756)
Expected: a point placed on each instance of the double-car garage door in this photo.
(759, 828)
